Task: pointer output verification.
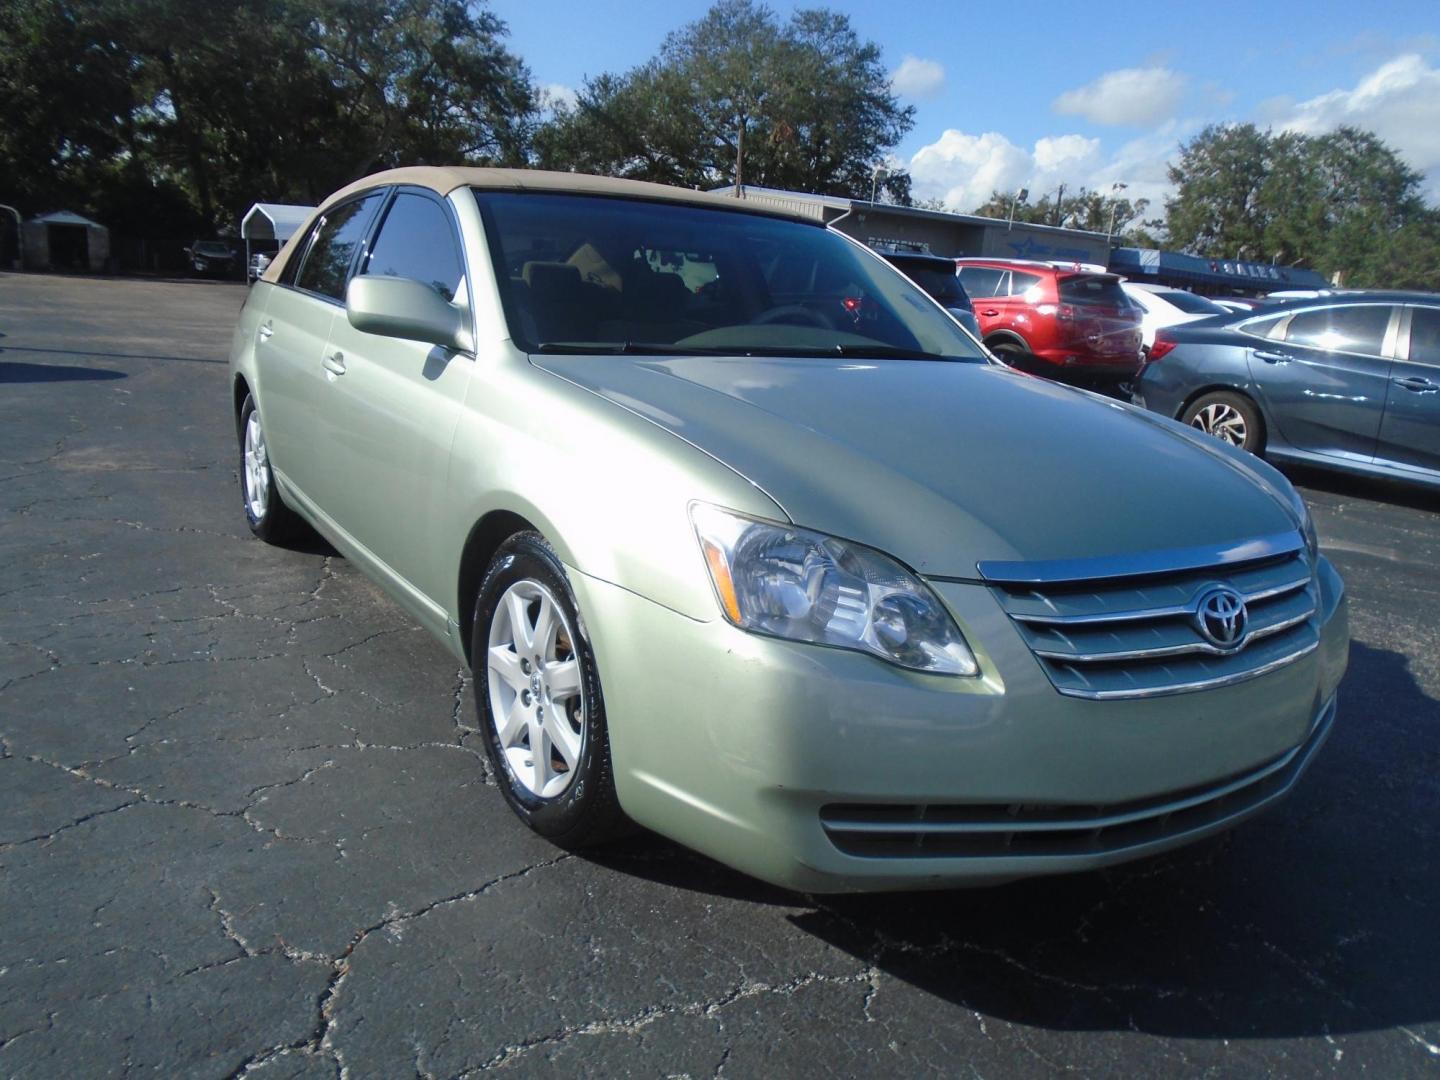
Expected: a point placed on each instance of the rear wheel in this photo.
(541, 710)
(265, 511)
(1231, 418)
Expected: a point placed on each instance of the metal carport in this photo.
(272, 221)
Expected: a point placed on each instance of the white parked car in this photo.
(1164, 306)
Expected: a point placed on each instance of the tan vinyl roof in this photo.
(445, 179)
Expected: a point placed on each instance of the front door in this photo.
(1326, 377)
(290, 348)
(391, 415)
(1410, 432)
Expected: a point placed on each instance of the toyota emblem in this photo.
(1220, 617)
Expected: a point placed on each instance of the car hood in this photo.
(944, 465)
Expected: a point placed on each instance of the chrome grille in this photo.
(1139, 635)
(887, 830)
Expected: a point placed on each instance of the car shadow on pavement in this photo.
(1314, 919)
(16, 371)
(111, 355)
(1375, 488)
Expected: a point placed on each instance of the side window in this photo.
(1265, 328)
(1425, 335)
(416, 241)
(981, 281)
(337, 236)
(1342, 329)
(1020, 283)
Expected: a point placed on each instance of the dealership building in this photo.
(954, 235)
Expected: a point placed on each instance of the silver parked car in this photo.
(746, 541)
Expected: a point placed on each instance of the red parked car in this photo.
(1065, 321)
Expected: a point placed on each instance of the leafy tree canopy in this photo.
(137, 106)
(739, 96)
(1341, 203)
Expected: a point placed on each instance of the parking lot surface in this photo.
(246, 825)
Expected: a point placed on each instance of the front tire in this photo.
(542, 714)
(1231, 418)
(265, 511)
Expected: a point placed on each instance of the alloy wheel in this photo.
(1223, 421)
(257, 469)
(537, 702)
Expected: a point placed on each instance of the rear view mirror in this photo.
(405, 308)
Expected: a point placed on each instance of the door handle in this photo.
(989, 313)
(266, 329)
(1272, 357)
(335, 363)
(1417, 385)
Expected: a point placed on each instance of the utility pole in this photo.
(740, 159)
(1060, 206)
(1114, 189)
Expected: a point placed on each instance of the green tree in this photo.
(1342, 203)
(1083, 208)
(231, 101)
(738, 96)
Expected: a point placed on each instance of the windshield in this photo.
(594, 274)
(936, 279)
(211, 247)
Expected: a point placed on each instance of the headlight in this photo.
(1307, 530)
(806, 586)
(1307, 523)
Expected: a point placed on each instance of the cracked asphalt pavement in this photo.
(246, 827)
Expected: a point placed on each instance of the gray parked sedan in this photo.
(746, 541)
(1347, 381)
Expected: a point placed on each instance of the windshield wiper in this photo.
(878, 352)
(626, 348)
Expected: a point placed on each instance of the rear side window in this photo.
(1022, 283)
(981, 280)
(336, 238)
(1425, 335)
(416, 241)
(1083, 289)
(1341, 329)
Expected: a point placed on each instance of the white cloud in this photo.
(963, 170)
(1399, 101)
(1065, 153)
(916, 78)
(1135, 97)
(555, 94)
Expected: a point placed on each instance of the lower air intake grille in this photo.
(888, 830)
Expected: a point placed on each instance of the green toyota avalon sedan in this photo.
(748, 542)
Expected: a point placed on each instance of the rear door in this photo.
(1410, 430)
(389, 418)
(290, 344)
(1325, 375)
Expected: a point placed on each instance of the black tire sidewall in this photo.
(589, 799)
(1254, 422)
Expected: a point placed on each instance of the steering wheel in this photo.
(792, 315)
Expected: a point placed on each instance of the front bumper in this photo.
(772, 756)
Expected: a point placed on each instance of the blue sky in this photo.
(1097, 94)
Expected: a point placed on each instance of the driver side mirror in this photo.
(405, 308)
